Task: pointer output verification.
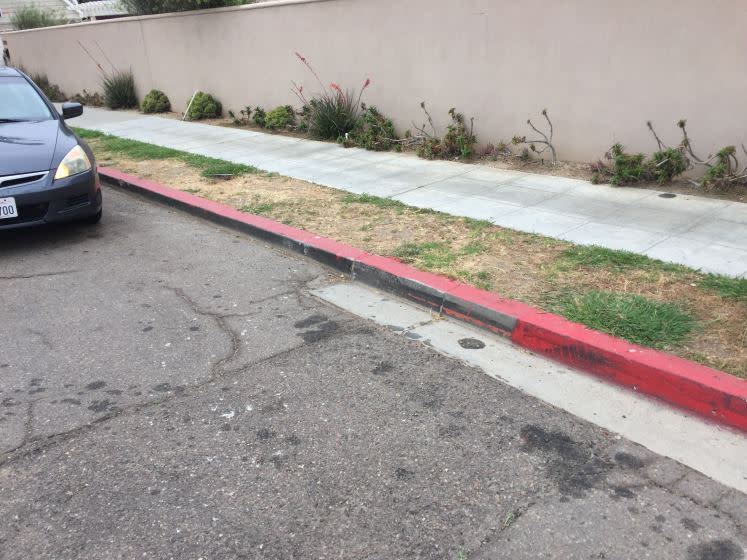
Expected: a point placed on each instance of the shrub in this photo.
(155, 102)
(334, 112)
(259, 117)
(119, 90)
(626, 168)
(32, 17)
(89, 99)
(458, 142)
(147, 7)
(666, 164)
(204, 106)
(280, 117)
(373, 131)
(663, 166)
(52, 91)
(545, 139)
(242, 117)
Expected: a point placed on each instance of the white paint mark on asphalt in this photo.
(713, 450)
(228, 415)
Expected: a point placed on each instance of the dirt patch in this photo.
(514, 264)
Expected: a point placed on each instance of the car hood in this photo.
(26, 147)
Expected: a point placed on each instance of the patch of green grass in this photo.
(378, 201)
(634, 318)
(473, 249)
(477, 226)
(142, 150)
(431, 255)
(601, 257)
(481, 279)
(730, 288)
(258, 207)
(220, 168)
(366, 227)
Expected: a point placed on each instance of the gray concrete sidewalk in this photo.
(701, 233)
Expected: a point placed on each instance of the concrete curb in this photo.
(699, 389)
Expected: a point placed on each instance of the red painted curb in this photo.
(705, 391)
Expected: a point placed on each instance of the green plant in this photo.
(430, 255)
(666, 164)
(626, 168)
(458, 142)
(90, 99)
(722, 169)
(379, 201)
(242, 118)
(593, 256)
(119, 90)
(725, 171)
(204, 106)
(52, 91)
(730, 288)
(632, 317)
(260, 117)
(333, 113)
(155, 102)
(147, 7)
(373, 131)
(546, 139)
(280, 117)
(32, 17)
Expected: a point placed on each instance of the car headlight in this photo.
(76, 161)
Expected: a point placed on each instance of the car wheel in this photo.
(94, 219)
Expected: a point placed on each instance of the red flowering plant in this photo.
(332, 113)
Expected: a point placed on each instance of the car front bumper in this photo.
(48, 201)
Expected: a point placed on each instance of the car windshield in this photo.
(20, 102)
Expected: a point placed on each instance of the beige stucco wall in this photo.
(602, 68)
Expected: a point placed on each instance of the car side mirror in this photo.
(71, 110)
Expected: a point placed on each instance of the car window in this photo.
(19, 101)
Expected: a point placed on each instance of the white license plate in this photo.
(8, 208)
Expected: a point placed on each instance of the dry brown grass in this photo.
(517, 265)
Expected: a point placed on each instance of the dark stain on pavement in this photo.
(622, 492)
(310, 321)
(628, 461)
(95, 385)
(162, 387)
(450, 431)
(404, 474)
(715, 550)
(148, 328)
(382, 368)
(572, 467)
(323, 331)
(264, 434)
(690, 524)
(103, 406)
(70, 401)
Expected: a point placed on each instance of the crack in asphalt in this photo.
(39, 443)
(37, 275)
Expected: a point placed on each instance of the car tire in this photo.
(93, 219)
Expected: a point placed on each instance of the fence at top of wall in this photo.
(601, 73)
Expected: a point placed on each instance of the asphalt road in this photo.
(171, 389)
